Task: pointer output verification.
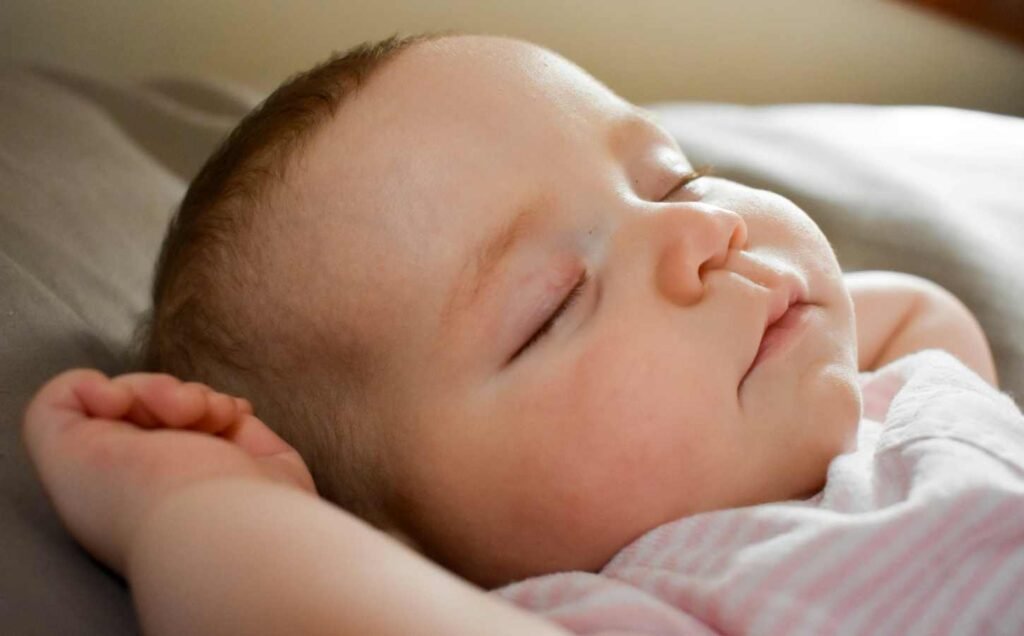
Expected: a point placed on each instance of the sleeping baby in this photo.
(510, 350)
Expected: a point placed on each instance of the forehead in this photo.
(485, 84)
(434, 154)
(446, 114)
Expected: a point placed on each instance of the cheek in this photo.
(602, 448)
(646, 383)
(632, 416)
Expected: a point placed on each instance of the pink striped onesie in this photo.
(918, 531)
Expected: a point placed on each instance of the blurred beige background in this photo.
(745, 51)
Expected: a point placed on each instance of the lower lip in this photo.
(782, 332)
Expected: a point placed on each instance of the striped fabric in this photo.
(919, 531)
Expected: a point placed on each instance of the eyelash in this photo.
(584, 278)
(567, 302)
(688, 178)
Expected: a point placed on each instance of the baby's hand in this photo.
(109, 450)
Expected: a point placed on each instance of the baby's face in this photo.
(569, 334)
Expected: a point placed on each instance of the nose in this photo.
(692, 239)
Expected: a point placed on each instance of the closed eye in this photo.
(567, 302)
(577, 289)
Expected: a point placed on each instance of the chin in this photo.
(830, 428)
(839, 410)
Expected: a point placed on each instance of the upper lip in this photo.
(782, 298)
(787, 291)
(786, 288)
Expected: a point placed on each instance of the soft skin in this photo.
(635, 408)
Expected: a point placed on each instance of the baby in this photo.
(493, 313)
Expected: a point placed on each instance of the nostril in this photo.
(694, 240)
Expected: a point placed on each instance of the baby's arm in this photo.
(898, 314)
(245, 557)
(215, 524)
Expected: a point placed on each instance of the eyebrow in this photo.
(478, 271)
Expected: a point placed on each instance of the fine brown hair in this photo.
(216, 318)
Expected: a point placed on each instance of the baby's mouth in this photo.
(780, 329)
(786, 309)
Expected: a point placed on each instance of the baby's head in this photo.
(489, 303)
